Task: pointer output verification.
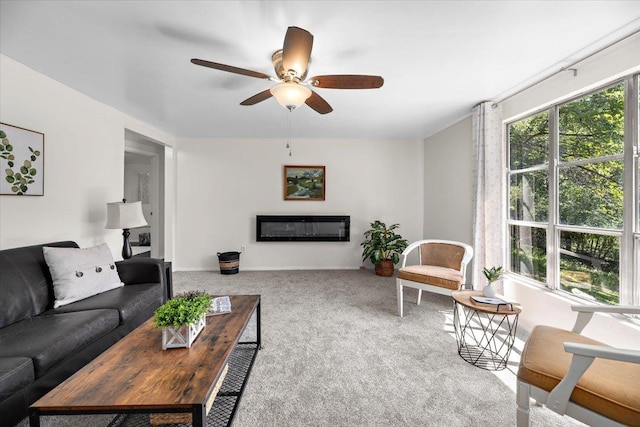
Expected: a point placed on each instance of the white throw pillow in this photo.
(81, 273)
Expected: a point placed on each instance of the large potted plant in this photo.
(383, 246)
(182, 318)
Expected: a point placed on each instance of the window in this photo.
(529, 195)
(569, 168)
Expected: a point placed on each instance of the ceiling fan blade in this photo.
(347, 81)
(296, 50)
(230, 69)
(318, 103)
(265, 94)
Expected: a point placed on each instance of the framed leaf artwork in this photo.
(22, 161)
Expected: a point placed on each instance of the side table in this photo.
(484, 336)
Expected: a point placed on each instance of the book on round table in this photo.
(488, 300)
(491, 303)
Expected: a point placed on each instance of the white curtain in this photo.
(489, 203)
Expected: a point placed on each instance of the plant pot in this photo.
(184, 336)
(489, 291)
(384, 268)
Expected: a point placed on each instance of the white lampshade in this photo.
(291, 95)
(122, 215)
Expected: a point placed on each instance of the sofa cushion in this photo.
(15, 374)
(129, 300)
(25, 283)
(50, 338)
(81, 273)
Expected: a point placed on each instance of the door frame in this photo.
(138, 144)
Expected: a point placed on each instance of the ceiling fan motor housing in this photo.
(286, 75)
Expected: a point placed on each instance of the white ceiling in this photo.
(438, 58)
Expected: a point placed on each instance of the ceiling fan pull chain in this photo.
(289, 132)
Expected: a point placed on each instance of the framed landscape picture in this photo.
(304, 182)
(21, 161)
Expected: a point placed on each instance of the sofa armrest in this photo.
(142, 270)
(585, 313)
(583, 357)
(605, 352)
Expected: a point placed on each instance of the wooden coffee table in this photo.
(136, 376)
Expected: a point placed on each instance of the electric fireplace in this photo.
(302, 228)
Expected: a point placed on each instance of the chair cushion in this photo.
(432, 275)
(48, 339)
(129, 300)
(442, 255)
(15, 374)
(608, 387)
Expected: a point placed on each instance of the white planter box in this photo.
(182, 337)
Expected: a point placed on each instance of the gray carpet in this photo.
(336, 354)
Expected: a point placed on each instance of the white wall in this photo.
(616, 61)
(543, 307)
(83, 160)
(223, 184)
(448, 184)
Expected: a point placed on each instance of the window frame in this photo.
(629, 234)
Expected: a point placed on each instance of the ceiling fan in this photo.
(291, 64)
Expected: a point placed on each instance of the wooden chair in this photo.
(442, 268)
(580, 377)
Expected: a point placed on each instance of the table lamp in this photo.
(123, 215)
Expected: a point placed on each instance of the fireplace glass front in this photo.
(302, 228)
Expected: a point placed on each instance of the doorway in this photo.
(144, 182)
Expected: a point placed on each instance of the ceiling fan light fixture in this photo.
(291, 65)
(291, 95)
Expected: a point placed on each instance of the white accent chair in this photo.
(580, 377)
(442, 268)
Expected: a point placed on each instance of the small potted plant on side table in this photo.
(492, 274)
(383, 246)
(182, 318)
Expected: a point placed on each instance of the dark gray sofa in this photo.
(40, 346)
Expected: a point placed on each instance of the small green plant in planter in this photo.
(182, 309)
(182, 318)
(492, 274)
(383, 246)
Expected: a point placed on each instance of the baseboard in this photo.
(285, 268)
